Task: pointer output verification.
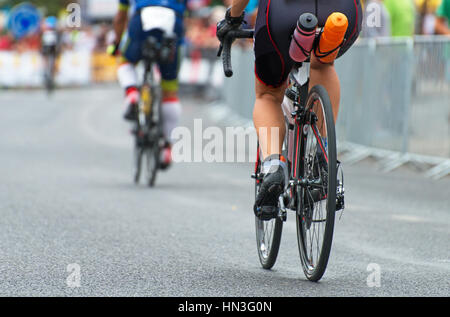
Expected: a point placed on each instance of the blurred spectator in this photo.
(427, 18)
(83, 39)
(443, 18)
(370, 27)
(402, 14)
(6, 42)
(104, 35)
(201, 28)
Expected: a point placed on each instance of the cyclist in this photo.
(50, 42)
(275, 23)
(160, 16)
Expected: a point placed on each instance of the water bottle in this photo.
(332, 37)
(303, 37)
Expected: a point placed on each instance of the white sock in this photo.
(171, 111)
(127, 75)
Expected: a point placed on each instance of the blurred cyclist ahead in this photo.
(50, 43)
(150, 18)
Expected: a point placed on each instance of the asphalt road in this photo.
(67, 202)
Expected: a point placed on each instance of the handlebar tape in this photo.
(226, 53)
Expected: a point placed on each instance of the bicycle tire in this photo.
(267, 252)
(138, 154)
(152, 155)
(314, 269)
(154, 123)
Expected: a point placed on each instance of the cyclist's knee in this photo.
(169, 87)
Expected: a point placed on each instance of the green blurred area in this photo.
(50, 7)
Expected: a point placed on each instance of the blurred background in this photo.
(395, 79)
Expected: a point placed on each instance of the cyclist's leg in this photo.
(272, 67)
(269, 122)
(268, 118)
(274, 22)
(131, 48)
(325, 74)
(171, 106)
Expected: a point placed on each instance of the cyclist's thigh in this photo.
(275, 24)
(131, 44)
(169, 71)
(352, 9)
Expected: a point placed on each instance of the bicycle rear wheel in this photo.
(317, 192)
(268, 233)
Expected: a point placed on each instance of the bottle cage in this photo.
(316, 45)
(326, 54)
(305, 52)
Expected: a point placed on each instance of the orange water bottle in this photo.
(332, 37)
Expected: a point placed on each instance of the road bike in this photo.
(148, 129)
(315, 191)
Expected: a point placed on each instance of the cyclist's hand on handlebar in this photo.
(228, 24)
(113, 49)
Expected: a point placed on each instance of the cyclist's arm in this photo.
(237, 7)
(121, 19)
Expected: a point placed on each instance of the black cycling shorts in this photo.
(275, 25)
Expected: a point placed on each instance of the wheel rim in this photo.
(265, 237)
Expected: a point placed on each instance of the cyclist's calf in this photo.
(268, 114)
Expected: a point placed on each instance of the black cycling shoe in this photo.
(266, 203)
(132, 112)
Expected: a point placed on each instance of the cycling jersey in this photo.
(178, 5)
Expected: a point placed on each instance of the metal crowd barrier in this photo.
(395, 101)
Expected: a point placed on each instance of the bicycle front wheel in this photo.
(317, 190)
(152, 154)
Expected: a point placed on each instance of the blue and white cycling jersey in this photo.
(178, 5)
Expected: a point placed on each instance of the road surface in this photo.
(68, 206)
